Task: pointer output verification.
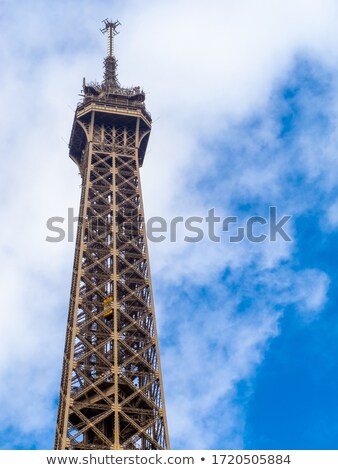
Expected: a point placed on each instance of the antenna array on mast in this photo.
(110, 27)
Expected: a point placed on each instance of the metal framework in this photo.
(111, 388)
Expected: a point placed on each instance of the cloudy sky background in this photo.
(244, 99)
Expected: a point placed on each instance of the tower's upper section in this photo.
(109, 103)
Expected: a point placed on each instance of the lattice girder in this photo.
(111, 388)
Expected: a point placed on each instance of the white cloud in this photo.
(220, 347)
(332, 214)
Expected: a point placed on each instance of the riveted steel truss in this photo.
(111, 389)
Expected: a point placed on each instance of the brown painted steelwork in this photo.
(111, 388)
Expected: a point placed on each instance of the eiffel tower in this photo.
(111, 387)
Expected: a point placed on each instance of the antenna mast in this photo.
(110, 62)
(111, 28)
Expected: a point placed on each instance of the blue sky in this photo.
(245, 117)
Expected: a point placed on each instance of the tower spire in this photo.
(110, 62)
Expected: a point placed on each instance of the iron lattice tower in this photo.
(111, 388)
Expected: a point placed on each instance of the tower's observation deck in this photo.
(111, 387)
(123, 105)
